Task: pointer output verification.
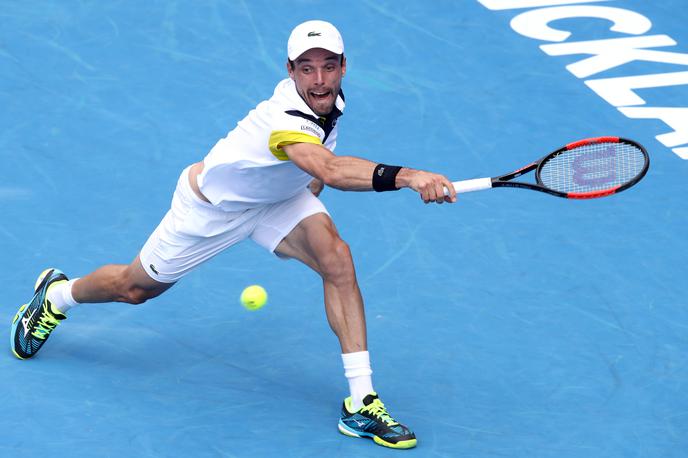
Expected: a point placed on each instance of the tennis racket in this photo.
(586, 169)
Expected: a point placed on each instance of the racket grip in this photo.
(476, 184)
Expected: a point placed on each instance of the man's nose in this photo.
(319, 77)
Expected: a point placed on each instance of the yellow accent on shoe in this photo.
(377, 409)
(19, 313)
(41, 277)
(347, 404)
(400, 445)
(15, 354)
(51, 307)
(46, 323)
(16, 317)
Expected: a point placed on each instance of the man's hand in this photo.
(316, 186)
(429, 185)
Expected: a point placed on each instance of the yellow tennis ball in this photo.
(254, 297)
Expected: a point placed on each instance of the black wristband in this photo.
(384, 177)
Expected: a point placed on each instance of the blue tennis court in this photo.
(510, 324)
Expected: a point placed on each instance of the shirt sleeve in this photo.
(289, 129)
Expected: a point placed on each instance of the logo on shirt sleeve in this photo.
(312, 128)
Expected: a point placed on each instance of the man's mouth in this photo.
(320, 95)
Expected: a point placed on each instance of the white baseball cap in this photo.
(314, 34)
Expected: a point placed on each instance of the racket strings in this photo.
(592, 167)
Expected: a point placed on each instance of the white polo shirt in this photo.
(249, 168)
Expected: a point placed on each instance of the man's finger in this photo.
(451, 194)
(439, 192)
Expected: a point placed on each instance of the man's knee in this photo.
(137, 295)
(133, 293)
(337, 265)
(134, 286)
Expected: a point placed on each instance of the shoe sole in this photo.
(40, 278)
(399, 445)
(19, 313)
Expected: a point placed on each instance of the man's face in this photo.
(318, 76)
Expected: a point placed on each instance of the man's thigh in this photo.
(280, 220)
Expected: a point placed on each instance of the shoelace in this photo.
(46, 323)
(377, 408)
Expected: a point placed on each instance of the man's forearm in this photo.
(349, 173)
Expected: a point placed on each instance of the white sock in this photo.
(358, 372)
(60, 296)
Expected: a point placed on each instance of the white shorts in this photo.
(194, 231)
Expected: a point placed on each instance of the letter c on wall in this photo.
(535, 23)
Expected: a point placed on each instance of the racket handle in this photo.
(476, 184)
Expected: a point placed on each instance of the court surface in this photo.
(511, 324)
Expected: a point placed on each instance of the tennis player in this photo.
(261, 182)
